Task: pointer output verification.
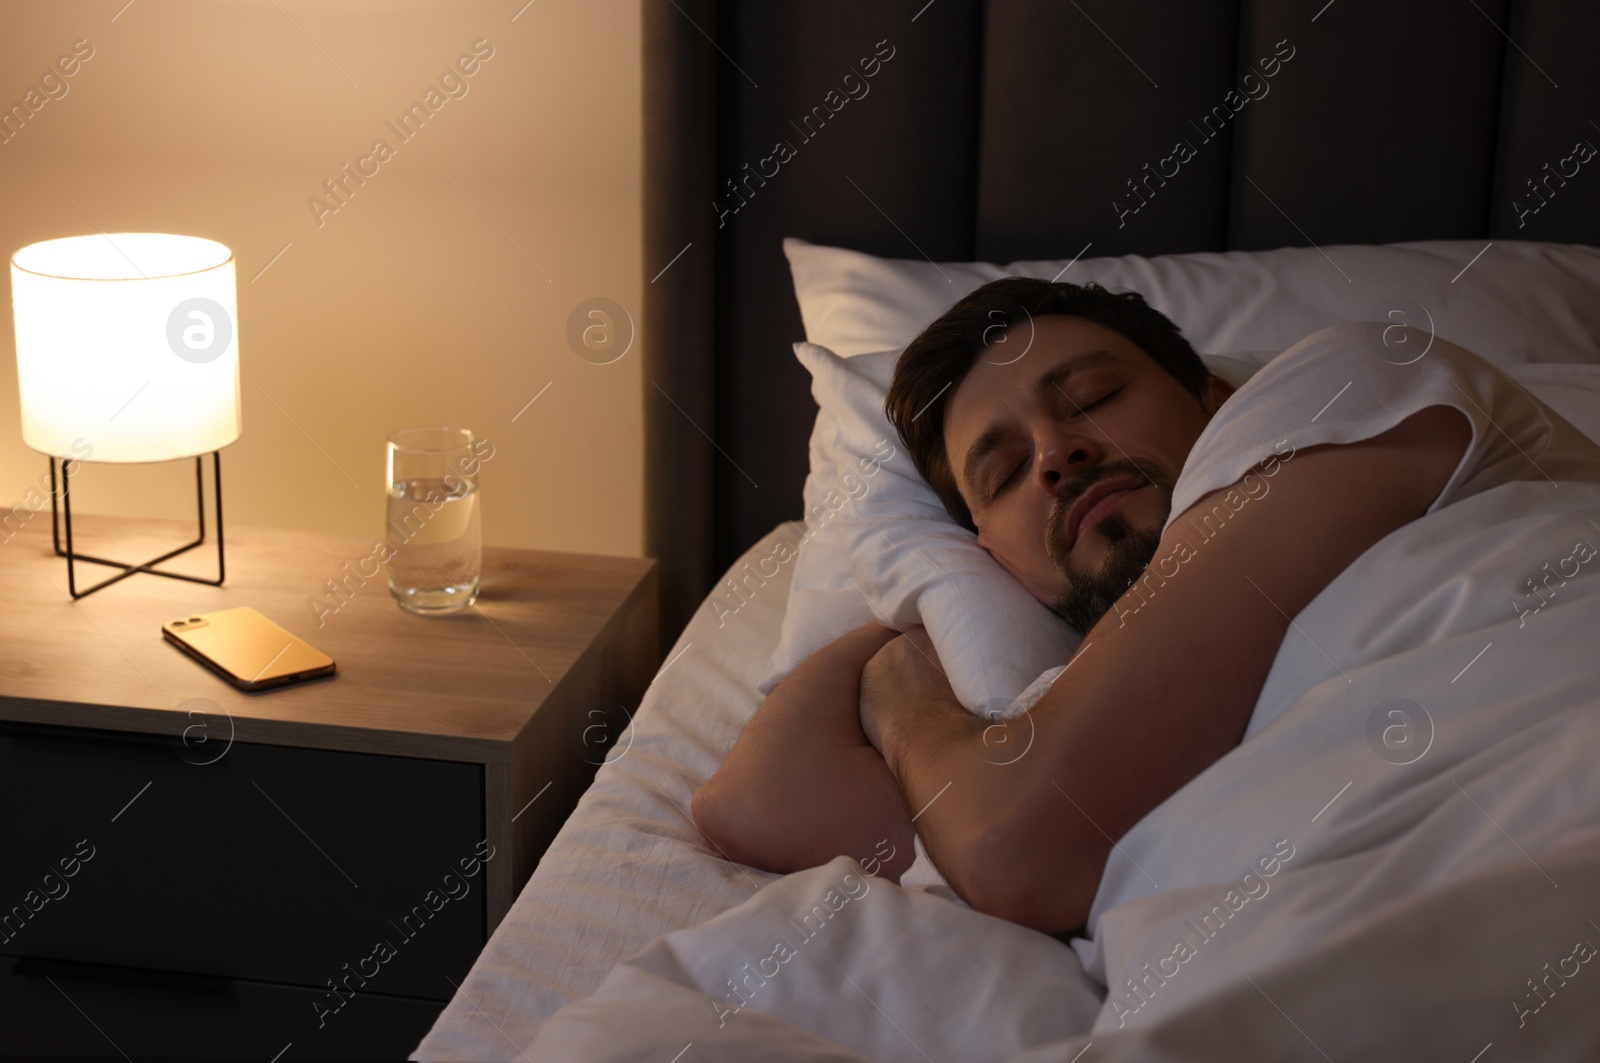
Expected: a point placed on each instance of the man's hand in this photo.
(903, 677)
(908, 706)
(802, 785)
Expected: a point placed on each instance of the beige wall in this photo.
(219, 118)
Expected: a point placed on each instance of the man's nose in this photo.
(1063, 456)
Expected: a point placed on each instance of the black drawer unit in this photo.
(190, 903)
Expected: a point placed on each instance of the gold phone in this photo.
(246, 648)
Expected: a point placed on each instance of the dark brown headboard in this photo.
(1030, 129)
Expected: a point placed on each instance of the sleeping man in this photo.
(1127, 488)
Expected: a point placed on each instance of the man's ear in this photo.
(1214, 392)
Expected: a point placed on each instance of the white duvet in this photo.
(1401, 861)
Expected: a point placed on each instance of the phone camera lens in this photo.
(194, 620)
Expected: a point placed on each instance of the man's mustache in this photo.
(1071, 492)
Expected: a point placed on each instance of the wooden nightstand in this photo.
(314, 866)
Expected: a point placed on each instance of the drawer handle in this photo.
(40, 967)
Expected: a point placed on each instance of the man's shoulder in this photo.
(1351, 380)
(1342, 384)
(1370, 347)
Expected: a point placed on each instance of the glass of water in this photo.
(434, 529)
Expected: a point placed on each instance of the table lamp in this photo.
(126, 353)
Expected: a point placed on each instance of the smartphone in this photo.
(246, 648)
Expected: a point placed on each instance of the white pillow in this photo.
(823, 604)
(1520, 301)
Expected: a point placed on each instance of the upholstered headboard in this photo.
(958, 129)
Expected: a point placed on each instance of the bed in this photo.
(629, 866)
(956, 155)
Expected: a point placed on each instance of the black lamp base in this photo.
(128, 569)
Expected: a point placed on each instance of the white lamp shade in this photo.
(127, 346)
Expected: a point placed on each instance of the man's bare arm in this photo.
(802, 784)
(1155, 694)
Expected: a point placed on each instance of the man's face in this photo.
(1030, 434)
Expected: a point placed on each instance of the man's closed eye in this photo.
(1012, 476)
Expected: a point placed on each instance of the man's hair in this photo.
(934, 363)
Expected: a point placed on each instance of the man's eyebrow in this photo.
(994, 435)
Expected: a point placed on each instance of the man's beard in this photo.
(1091, 593)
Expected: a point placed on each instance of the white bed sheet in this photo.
(628, 864)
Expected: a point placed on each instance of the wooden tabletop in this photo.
(461, 687)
